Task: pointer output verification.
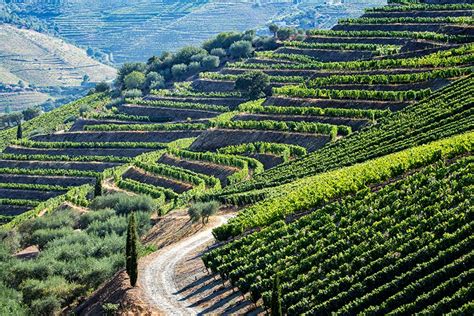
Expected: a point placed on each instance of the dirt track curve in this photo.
(159, 280)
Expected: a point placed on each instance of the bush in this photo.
(194, 67)
(123, 203)
(128, 68)
(195, 212)
(210, 62)
(102, 87)
(56, 287)
(255, 84)
(285, 33)
(110, 308)
(133, 93)
(241, 49)
(31, 113)
(203, 210)
(100, 215)
(42, 236)
(134, 80)
(154, 80)
(113, 225)
(179, 71)
(46, 306)
(84, 109)
(184, 55)
(219, 52)
(266, 43)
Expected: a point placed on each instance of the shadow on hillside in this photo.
(210, 293)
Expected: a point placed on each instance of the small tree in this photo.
(31, 113)
(179, 71)
(241, 49)
(284, 33)
(134, 80)
(102, 87)
(219, 52)
(273, 29)
(154, 81)
(19, 131)
(255, 84)
(276, 309)
(195, 212)
(131, 251)
(210, 62)
(209, 209)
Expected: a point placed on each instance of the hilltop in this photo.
(37, 67)
(340, 160)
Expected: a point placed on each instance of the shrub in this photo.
(133, 93)
(85, 108)
(179, 70)
(110, 308)
(128, 68)
(194, 67)
(241, 49)
(113, 225)
(123, 203)
(195, 212)
(184, 55)
(42, 236)
(210, 62)
(45, 306)
(31, 113)
(154, 80)
(202, 211)
(55, 286)
(102, 87)
(100, 216)
(209, 209)
(285, 33)
(254, 83)
(134, 80)
(10, 302)
(219, 52)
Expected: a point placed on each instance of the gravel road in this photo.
(158, 278)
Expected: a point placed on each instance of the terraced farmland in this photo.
(352, 175)
(329, 86)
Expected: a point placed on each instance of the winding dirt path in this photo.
(158, 279)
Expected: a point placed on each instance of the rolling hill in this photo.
(47, 67)
(351, 182)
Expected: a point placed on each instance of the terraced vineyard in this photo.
(354, 175)
(333, 93)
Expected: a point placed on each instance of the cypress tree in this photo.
(131, 250)
(276, 309)
(98, 186)
(19, 131)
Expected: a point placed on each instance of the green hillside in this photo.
(345, 155)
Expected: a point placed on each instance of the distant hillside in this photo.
(36, 67)
(129, 30)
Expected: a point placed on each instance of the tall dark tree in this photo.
(98, 186)
(19, 131)
(276, 309)
(131, 250)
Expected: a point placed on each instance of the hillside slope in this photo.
(350, 178)
(45, 65)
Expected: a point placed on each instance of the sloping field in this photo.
(41, 61)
